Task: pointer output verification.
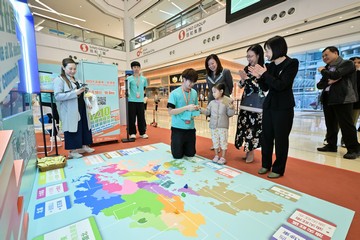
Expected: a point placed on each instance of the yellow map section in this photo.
(174, 215)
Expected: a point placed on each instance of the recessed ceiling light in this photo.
(166, 12)
(176, 6)
(149, 23)
(351, 26)
(80, 6)
(55, 12)
(340, 17)
(58, 20)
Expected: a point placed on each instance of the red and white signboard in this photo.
(312, 224)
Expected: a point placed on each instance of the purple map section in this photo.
(92, 191)
(189, 191)
(155, 188)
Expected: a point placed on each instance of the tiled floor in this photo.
(307, 134)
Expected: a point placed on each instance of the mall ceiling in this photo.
(318, 30)
(98, 21)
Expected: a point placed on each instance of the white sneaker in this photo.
(85, 149)
(74, 154)
(133, 136)
(144, 136)
(58, 139)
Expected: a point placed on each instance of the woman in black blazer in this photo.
(278, 110)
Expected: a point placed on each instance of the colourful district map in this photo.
(144, 194)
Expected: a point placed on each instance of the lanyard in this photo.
(187, 100)
(137, 83)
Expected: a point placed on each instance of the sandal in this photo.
(221, 161)
(216, 159)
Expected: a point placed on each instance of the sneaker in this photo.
(144, 136)
(133, 136)
(58, 139)
(74, 154)
(221, 161)
(215, 159)
(327, 148)
(87, 149)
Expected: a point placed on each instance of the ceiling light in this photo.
(220, 3)
(55, 19)
(149, 23)
(41, 22)
(39, 28)
(41, 3)
(176, 6)
(166, 12)
(60, 14)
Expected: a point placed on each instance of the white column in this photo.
(128, 32)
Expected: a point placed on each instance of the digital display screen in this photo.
(237, 5)
(237, 9)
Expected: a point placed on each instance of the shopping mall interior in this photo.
(136, 188)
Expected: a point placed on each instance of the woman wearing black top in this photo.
(278, 109)
(215, 74)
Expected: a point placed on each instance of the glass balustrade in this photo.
(179, 21)
(49, 26)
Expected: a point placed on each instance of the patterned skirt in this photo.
(248, 132)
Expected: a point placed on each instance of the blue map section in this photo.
(92, 193)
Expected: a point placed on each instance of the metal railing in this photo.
(52, 27)
(190, 15)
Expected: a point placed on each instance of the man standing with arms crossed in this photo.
(339, 84)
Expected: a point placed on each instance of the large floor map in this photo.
(143, 193)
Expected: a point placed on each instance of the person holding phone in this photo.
(73, 110)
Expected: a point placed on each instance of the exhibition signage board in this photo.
(102, 82)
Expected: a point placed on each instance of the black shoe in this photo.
(351, 155)
(327, 148)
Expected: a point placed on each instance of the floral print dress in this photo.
(248, 132)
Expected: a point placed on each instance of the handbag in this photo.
(252, 102)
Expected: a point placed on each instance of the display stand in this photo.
(127, 139)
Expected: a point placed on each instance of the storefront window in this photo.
(307, 96)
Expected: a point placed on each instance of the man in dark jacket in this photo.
(339, 84)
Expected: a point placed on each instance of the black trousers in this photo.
(276, 126)
(183, 142)
(340, 115)
(136, 111)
